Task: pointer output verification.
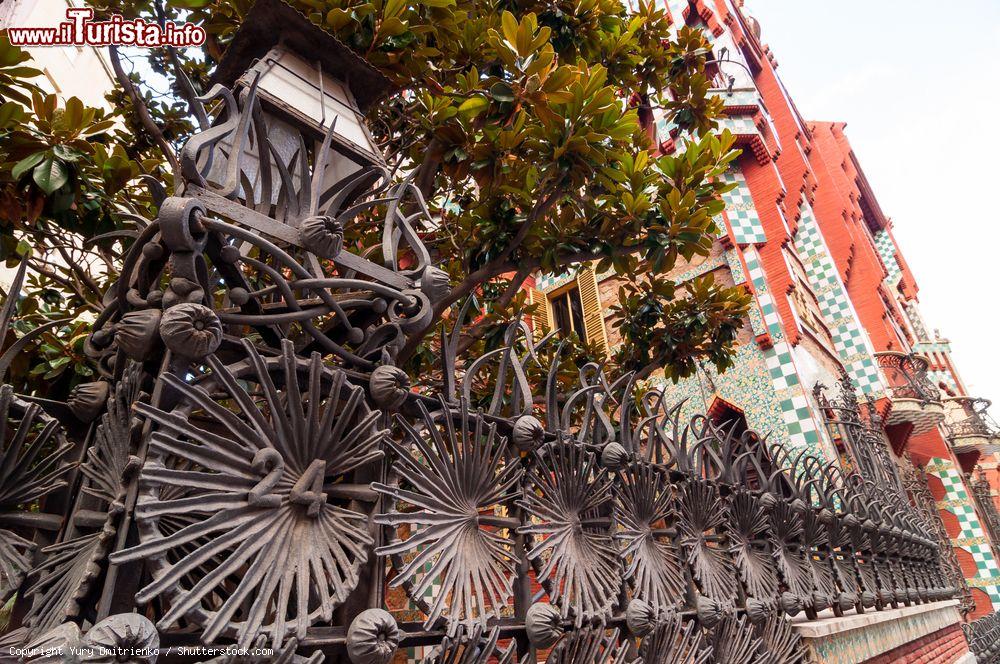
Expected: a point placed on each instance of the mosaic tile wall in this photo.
(548, 281)
(741, 211)
(972, 537)
(746, 385)
(848, 337)
(916, 322)
(735, 267)
(937, 377)
(740, 125)
(800, 426)
(887, 251)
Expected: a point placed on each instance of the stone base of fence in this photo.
(921, 634)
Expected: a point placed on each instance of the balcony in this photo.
(914, 398)
(969, 426)
(746, 117)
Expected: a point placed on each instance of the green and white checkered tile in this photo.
(994, 592)
(741, 211)
(739, 125)
(781, 367)
(887, 251)
(796, 414)
(768, 310)
(416, 653)
(848, 337)
(958, 502)
(916, 322)
(945, 377)
(802, 429)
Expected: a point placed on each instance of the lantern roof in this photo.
(273, 22)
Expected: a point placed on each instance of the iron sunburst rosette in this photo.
(237, 517)
(575, 558)
(643, 509)
(457, 477)
(32, 449)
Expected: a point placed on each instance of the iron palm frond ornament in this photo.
(590, 645)
(780, 644)
(748, 522)
(60, 583)
(675, 641)
(575, 558)
(701, 517)
(734, 642)
(460, 479)
(110, 462)
(259, 498)
(477, 647)
(32, 453)
(643, 509)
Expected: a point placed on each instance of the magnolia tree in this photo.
(526, 126)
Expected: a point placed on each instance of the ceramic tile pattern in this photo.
(858, 645)
(848, 336)
(971, 536)
(735, 267)
(547, 282)
(887, 251)
(741, 212)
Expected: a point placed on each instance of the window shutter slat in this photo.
(593, 314)
(541, 320)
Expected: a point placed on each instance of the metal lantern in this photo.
(292, 95)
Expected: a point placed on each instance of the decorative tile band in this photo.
(741, 211)
(854, 639)
(887, 251)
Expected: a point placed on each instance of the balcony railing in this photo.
(968, 418)
(915, 401)
(907, 377)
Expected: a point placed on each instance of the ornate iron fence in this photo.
(985, 504)
(252, 468)
(859, 428)
(984, 638)
(273, 487)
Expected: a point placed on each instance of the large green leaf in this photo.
(26, 164)
(51, 174)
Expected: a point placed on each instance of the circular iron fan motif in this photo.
(237, 517)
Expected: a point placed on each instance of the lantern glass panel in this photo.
(294, 84)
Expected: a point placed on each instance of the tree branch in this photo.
(139, 106)
(512, 288)
(82, 275)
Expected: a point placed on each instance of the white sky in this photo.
(919, 89)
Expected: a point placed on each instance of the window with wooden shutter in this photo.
(541, 321)
(593, 314)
